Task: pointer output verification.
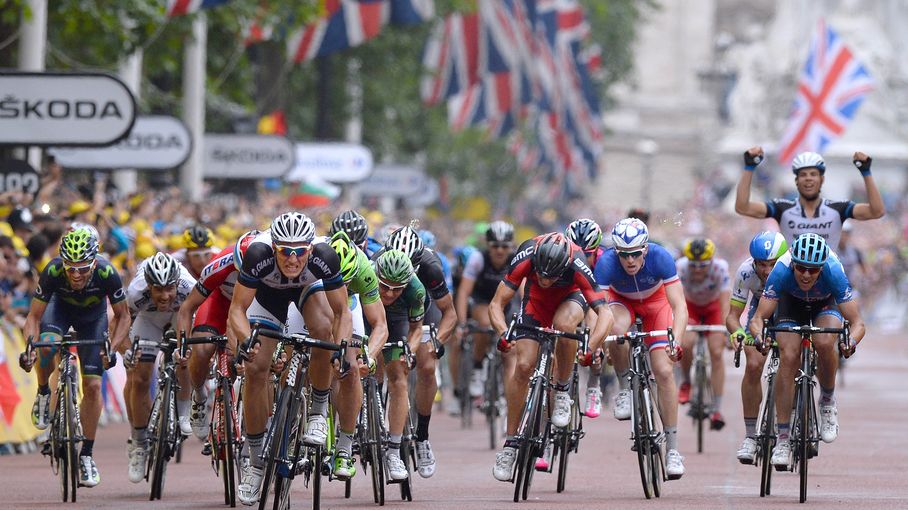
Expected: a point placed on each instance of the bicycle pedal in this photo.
(206, 448)
(302, 466)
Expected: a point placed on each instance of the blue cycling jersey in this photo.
(832, 282)
(658, 270)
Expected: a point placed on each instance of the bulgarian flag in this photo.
(314, 192)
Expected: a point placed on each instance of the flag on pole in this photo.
(183, 7)
(831, 88)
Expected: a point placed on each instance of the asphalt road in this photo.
(865, 467)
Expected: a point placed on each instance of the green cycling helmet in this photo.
(394, 266)
(79, 245)
(346, 251)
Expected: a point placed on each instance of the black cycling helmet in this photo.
(552, 255)
(198, 236)
(351, 223)
(500, 232)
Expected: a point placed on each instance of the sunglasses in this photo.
(630, 254)
(500, 246)
(700, 264)
(807, 269)
(287, 251)
(390, 287)
(78, 269)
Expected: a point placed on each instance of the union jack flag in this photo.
(181, 7)
(832, 86)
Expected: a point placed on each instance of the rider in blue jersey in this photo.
(808, 284)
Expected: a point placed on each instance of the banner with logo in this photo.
(247, 156)
(332, 162)
(17, 175)
(156, 142)
(89, 109)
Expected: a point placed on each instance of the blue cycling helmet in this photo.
(810, 250)
(428, 238)
(630, 234)
(768, 245)
(462, 254)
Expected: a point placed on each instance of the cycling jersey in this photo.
(410, 304)
(708, 289)
(479, 268)
(221, 274)
(150, 322)
(432, 276)
(365, 283)
(658, 270)
(104, 282)
(747, 283)
(827, 220)
(832, 282)
(850, 257)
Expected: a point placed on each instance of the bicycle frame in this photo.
(163, 420)
(702, 394)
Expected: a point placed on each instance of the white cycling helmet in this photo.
(292, 227)
(808, 160)
(162, 270)
(407, 240)
(630, 234)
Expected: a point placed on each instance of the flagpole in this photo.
(194, 58)
(32, 49)
(130, 72)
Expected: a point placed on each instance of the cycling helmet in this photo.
(699, 249)
(394, 266)
(198, 236)
(462, 254)
(79, 245)
(500, 232)
(162, 270)
(346, 251)
(810, 250)
(292, 227)
(808, 160)
(552, 255)
(768, 245)
(353, 224)
(428, 238)
(406, 240)
(585, 233)
(630, 234)
(239, 249)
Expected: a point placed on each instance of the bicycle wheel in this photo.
(160, 454)
(767, 441)
(641, 436)
(70, 466)
(698, 406)
(408, 455)
(276, 441)
(375, 437)
(537, 438)
(228, 424)
(466, 371)
(491, 400)
(292, 452)
(656, 441)
(567, 443)
(805, 401)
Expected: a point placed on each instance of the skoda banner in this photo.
(155, 143)
(333, 162)
(64, 109)
(247, 156)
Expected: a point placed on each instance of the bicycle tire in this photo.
(767, 440)
(277, 438)
(641, 436)
(229, 452)
(699, 404)
(318, 453)
(376, 461)
(568, 444)
(71, 463)
(406, 454)
(539, 438)
(159, 450)
(466, 400)
(58, 457)
(491, 400)
(804, 434)
(656, 454)
(524, 448)
(296, 429)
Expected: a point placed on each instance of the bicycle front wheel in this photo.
(375, 437)
(491, 401)
(805, 401)
(159, 454)
(69, 467)
(228, 450)
(699, 406)
(641, 436)
(767, 441)
(276, 441)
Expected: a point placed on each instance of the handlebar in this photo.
(705, 328)
(639, 334)
(473, 327)
(438, 349)
(69, 340)
(298, 341)
(846, 348)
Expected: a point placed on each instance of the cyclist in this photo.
(587, 234)
(198, 249)
(210, 301)
(641, 279)
(363, 300)
(70, 293)
(403, 297)
(429, 241)
(481, 276)
(283, 266)
(765, 249)
(559, 287)
(354, 225)
(154, 296)
(851, 258)
(707, 289)
(440, 313)
(807, 284)
(809, 213)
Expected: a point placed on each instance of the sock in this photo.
(783, 432)
(394, 441)
(750, 427)
(510, 442)
(623, 382)
(44, 389)
(827, 397)
(422, 426)
(88, 446)
(477, 365)
(345, 442)
(183, 407)
(319, 402)
(717, 403)
(256, 443)
(200, 394)
(671, 435)
(139, 434)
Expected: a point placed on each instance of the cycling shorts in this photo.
(795, 312)
(707, 315)
(541, 312)
(211, 317)
(279, 309)
(655, 311)
(398, 329)
(150, 327)
(88, 323)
